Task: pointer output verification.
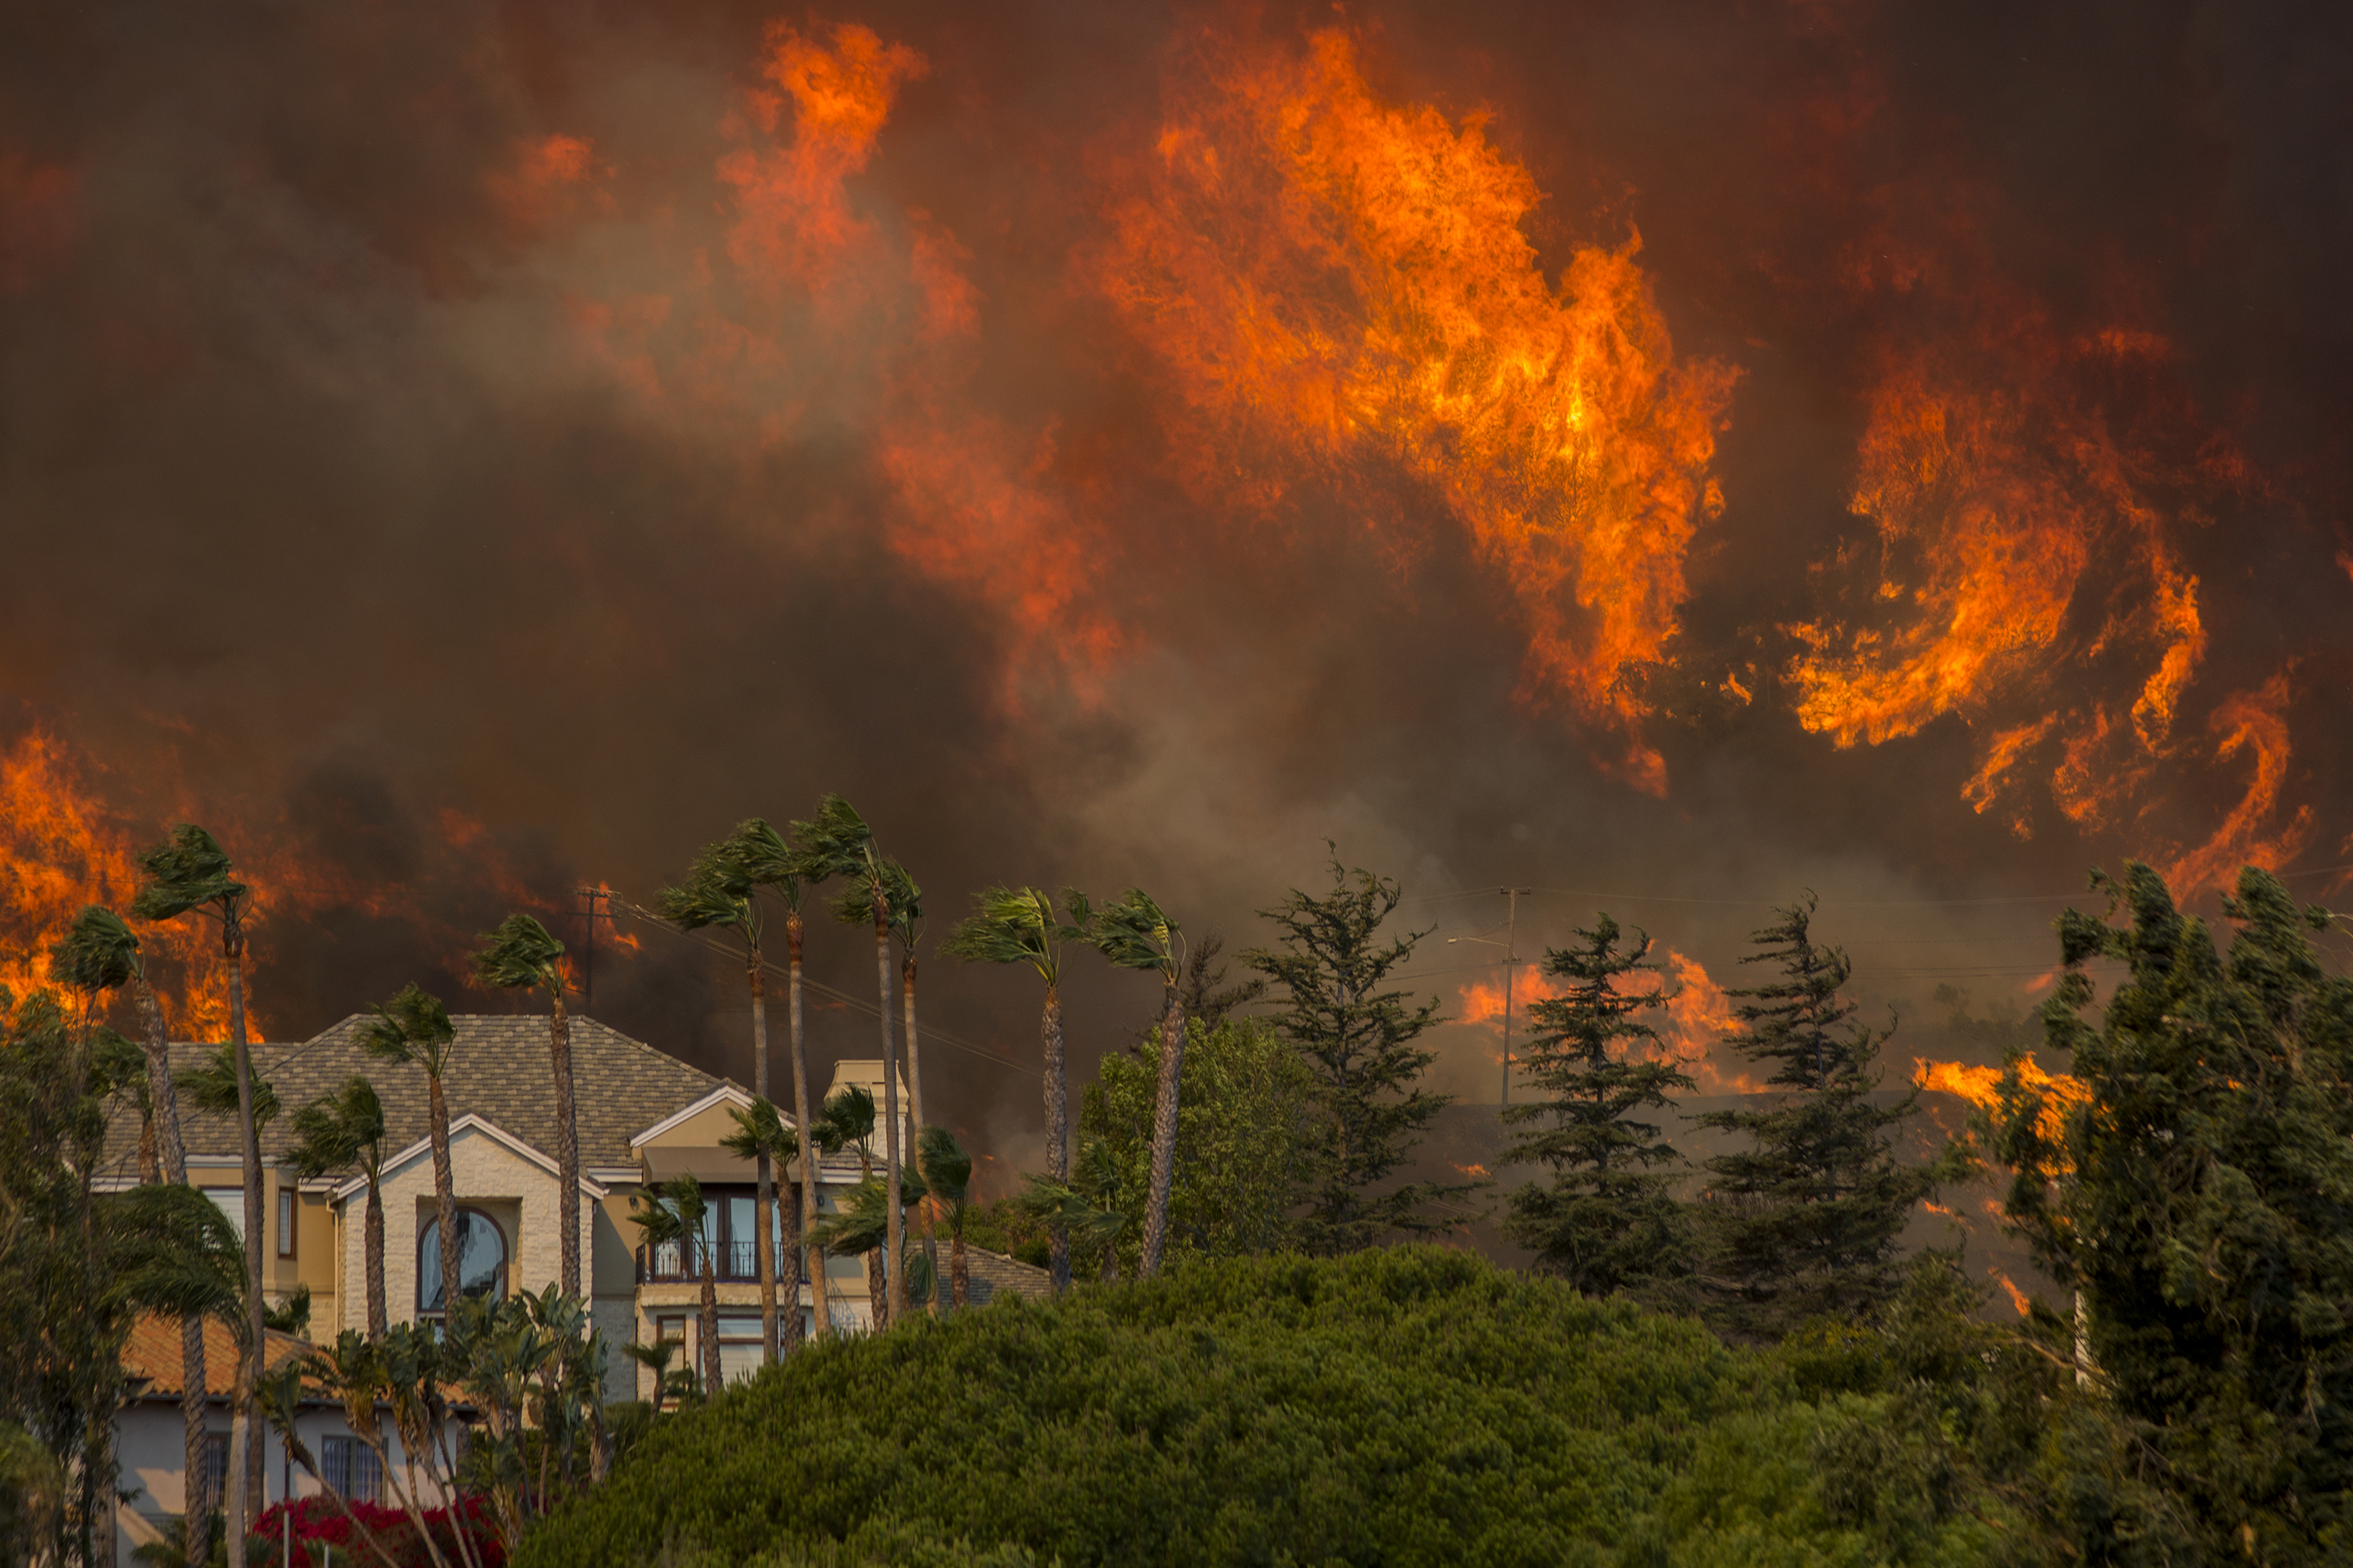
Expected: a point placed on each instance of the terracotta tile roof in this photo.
(154, 1354)
(498, 1069)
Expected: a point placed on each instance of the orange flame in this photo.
(1338, 282)
(1690, 1026)
(1981, 1087)
(2253, 721)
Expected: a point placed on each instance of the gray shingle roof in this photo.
(988, 1274)
(499, 1071)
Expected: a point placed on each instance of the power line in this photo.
(1826, 903)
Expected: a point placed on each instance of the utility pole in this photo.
(589, 898)
(1511, 959)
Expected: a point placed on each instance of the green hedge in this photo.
(1396, 1407)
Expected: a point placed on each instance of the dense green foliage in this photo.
(1329, 972)
(1403, 1406)
(1804, 1222)
(1238, 1143)
(1608, 1220)
(2201, 1199)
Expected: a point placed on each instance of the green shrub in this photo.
(1406, 1406)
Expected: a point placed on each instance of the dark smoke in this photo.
(320, 521)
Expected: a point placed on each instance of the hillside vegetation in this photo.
(1407, 1407)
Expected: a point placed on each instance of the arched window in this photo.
(482, 1261)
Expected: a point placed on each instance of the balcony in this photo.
(676, 1263)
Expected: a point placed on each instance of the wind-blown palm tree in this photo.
(191, 874)
(1135, 934)
(847, 1122)
(947, 1171)
(1020, 925)
(415, 1027)
(761, 1134)
(100, 951)
(720, 890)
(861, 1227)
(837, 843)
(336, 1132)
(523, 956)
(905, 900)
(772, 865)
(1087, 1206)
(674, 1211)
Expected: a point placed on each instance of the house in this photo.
(150, 1441)
(643, 1116)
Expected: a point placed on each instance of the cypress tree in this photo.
(1608, 1220)
(2197, 1189)
(1356, 1038)
(1804, 1222)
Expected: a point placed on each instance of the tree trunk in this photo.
(171, 1153)
(763, 1245)
(568, 1150)
(959, 1280)
(244, 1460)
(1058, 1134)
(916, 1104)
(445, 1195)
(151, 1154)
(894, 1222)
(788, 1222)
(379, 1323)
(713, 1377)
(821, 1311)
(1163, 1128)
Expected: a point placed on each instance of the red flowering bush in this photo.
(320, 1522)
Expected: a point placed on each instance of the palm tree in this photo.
(769, 863)
(523, 956)
(905, 905)
(947, 1172)
(655, 1358)
(1134, 933)
(761, 1134)
(415, 1027)
(861, 1227)
(837, 843)
(100, 951)
(191, 874)
(847, 1123)
(719, 891)
(1018, 925)
(1087, 1206)
(674, 1211)
(342, 1130)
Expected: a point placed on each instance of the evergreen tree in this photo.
(1357, 1040)
(1608, 1221)
(1805, 1220)
(2195, 1188)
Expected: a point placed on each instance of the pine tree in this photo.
(1608, 1221)
(1805, 1220)
(1357, 1040)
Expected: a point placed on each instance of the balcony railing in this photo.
(672, 1262)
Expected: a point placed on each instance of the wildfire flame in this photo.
(1981, 1086)
(1693, 1023)
(1337, 283)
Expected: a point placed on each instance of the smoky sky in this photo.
(319, 522)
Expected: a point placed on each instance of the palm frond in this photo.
(849, 1117)
(97, 952)
(945, 1164)
(836, 842)
(760, 1131)
(1134, 932)
(188, 870)
(211, 1085)
(521, 954)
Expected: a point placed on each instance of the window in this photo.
(482, 1261)
(351, 1467)
(214, 1475)
(230, 1201)
(739, 1346)
(285, 1222)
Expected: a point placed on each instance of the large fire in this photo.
(1691, 1025)
(1341, 287)
(2058, 1094)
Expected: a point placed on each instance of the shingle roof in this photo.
(499, 1071)
(154, 1354)
(988, 1274)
